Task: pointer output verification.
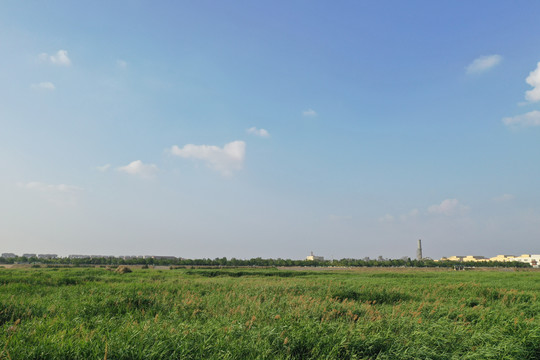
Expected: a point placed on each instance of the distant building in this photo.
(47, 256)
(475, 258)
(455, 258)
(78, 256)
(164, 258)
(503, 258)
(314, 258)
(8, 255)
(468, 258)
(29, 255)
(533, 260)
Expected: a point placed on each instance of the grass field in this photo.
(95, 313)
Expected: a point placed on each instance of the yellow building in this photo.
(534, 260)
(503, 258)
(468, 258)
(314, 258)
(475, 258)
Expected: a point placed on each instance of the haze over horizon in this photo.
(270, 129)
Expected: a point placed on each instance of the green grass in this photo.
(94, 313)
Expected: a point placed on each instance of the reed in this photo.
(96, 313)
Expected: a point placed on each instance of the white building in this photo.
(8, 255)
(533, 260)
(314, 258)
(47, 256)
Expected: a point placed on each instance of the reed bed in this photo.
(96, 313)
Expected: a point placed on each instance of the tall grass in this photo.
(268, 314)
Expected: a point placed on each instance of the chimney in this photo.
(419, 250)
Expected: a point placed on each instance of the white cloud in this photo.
(534, 80)
(104, 167)
(529, 119)
(138, 168)
(447, 207)
(43, 85)
(483, 63)
(309, 113)
(60, 58)
(504, 198)
(225, 160)
(121, 64)
(258, 132)
(386, 218)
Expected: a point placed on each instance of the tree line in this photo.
(233, 262)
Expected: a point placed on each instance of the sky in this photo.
(205, 129)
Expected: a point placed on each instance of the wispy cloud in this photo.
(138, 168)
(483, 63)
(526, 120)
(225, 160)
(534, 80)
(504, 198)
(43, 86)
(258, 132)
(39, 186)
(387, 218)
(410, 215)
(334, 217)
(447, 207)
(121, 64)
(60, 194)
(103, 168)
(61, 58)
(309, 113)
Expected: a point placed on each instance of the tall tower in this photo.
(419, 250)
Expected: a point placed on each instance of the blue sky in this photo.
(244, 129)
